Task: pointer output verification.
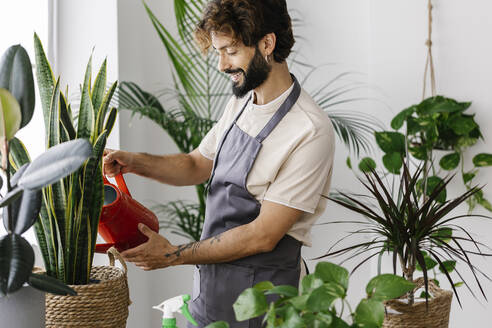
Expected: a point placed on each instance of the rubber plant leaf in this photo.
(56, 163)
(16, 263)
(16, 77)
(10, 115)
(49, 284)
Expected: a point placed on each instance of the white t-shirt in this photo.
(294, 165)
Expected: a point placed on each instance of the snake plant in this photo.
(69, 217)
(22, 202)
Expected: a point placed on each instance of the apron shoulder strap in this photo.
(281, 112)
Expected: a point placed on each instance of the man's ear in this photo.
(267, 44)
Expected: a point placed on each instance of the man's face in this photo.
(245, 65)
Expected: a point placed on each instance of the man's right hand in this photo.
(116, 162)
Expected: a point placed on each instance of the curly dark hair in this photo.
(248, 21)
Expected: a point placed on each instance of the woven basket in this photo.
(418, 315)
(104, 304)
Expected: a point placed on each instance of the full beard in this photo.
(257, 73)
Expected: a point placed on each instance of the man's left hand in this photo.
(153, 254)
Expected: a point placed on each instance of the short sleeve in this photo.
(301, 179)
(208, 145)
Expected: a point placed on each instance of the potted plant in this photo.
(22, 201)
(419, 232)
(70, 209)
(320, 302)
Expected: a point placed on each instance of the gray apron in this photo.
(229, 204)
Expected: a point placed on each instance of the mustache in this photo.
(234, 71)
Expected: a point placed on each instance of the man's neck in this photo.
(278, 81)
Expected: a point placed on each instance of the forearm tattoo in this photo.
(181, 248)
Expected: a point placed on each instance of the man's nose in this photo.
(223, 64)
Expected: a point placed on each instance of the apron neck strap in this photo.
(281, 112)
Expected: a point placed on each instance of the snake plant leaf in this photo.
(86, 112)
(16, 77)
(45, 78)
(50, 285)
(10, 114)
(111, 120)
(99, 86)
(16, 263)
(54, 122)
(66, 117)
(18, 155)
(101, 114)
(56, 163)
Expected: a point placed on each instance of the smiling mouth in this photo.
(235, 77)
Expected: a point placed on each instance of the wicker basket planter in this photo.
(418, 315)
(104, 304)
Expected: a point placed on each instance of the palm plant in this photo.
(22, 202)
(418, 231)
(69, 217)
(201, 93)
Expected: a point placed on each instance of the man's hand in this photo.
(155, 253)
(116, 162)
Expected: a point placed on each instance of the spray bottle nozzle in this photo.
(173, 305)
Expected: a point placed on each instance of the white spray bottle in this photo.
(173, 305)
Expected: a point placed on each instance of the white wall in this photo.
(382, 38)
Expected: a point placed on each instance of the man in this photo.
(269, 160)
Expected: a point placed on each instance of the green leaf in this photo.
(448, 266)
(367, 164)
(86, 122)
(250, 304)
(10, 114)
(45, 78)
(429, 262)
(263, 286)
(468, 176)
(391, 142)
(16, 263)
(482, 159)
(111, 120)
(99, 86)
(310, 282)
(323, 297)
(450, 161)
(443, 234)
(218, 324)
(485, 203)
(329, 272)
(349, 162)
(388, 286)
(459, 284)
(293, 319)
(283, 290)
(16, 77)
(339, 323)
(56, 163)
(50, 285)
(369, 313)
(419, 152)
(398, 120)
(432, 183)
(18, 155)
(393, 162)
(299, 302)
(462, 125)
(440, 104)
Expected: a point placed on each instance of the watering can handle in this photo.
(120, 181)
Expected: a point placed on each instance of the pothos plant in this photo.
(436, 126)
(320, 302)
(22, 202)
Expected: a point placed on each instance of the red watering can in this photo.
(120, 216)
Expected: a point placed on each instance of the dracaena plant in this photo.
(320, 302)
(202, 92)
(436, 124)
(22, 202)
(70, 210)
(417, 231)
